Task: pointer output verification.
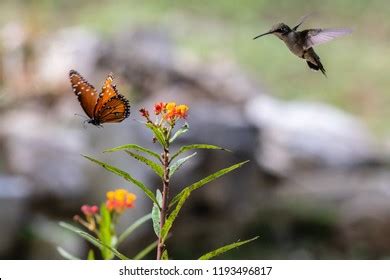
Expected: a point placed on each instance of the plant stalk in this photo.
(164, 204)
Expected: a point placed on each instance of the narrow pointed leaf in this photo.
(175, 166)
(154, 166)
(105, 235)
(224, 249)
(65, 254)
(171, 218)
(91, 255)
(92, 239)
(206, 180)
(181, 131)
(156, 213)
(133, 147)
(133, 227)
(164, 256)
(146, 251)
(101, 244)
(158, 134)
(197, 146)
(125, 176)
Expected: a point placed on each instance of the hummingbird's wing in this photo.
(302, 20)
(319, 36)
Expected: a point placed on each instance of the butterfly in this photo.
(107, 107)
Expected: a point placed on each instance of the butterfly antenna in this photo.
(84, 125)
(84, 117)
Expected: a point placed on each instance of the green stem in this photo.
(164, 204)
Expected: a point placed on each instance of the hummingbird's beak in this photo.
(269, 32)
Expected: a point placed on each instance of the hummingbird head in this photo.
(279, 30)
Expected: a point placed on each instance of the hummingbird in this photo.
(301, 43)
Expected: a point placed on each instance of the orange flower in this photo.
(181, 111)
(119, 200)
(159, 107)
(170, 111)
(174, 111)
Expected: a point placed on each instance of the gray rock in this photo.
(70, 48)
(297, 134)
(14, 195)
(38, 148)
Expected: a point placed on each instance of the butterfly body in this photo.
(107, 107)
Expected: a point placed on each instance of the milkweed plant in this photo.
(97, 225)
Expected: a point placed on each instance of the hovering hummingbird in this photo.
(301, 43)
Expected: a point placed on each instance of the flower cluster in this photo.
(119, 200)
(89, 210)
(169, 111)
(172, 111)
(90, 216)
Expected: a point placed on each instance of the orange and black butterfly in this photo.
(107, 107)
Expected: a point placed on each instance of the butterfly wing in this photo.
(85, 92)
(116, 109)
(108, 91)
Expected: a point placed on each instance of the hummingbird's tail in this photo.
(313, 61)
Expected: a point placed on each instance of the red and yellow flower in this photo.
(119, 200)
(173, 111)
(169, 111)
(159, 107)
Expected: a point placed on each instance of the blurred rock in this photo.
(14, 195)
(70, 48)
(298, 134)
(39, 148)
(358, 198)
(150, 61)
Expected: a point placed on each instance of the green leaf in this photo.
(197, 146)
(146, 251)
(133, 227)
(206, 180)
(154, 166)
(133, 147)
(181, 131)
(169, 222)
(100, 244)
(164, 256)
(175, 166)
(156, 213)
(65, 254)
(125, 176)
(105, 234)
(224, 249)
(92, 240)
(91, 255)
(158, 134)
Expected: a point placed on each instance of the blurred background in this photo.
(318, 182)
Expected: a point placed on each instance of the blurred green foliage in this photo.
(357, 65)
